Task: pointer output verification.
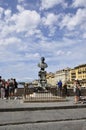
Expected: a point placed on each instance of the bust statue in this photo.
(42, 64)
(42, 73)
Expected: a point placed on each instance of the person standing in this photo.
(77, 92)
(2, 88)
(65, 92)
(6, 90)
(11, 88)
(15, 88)
(60, 87)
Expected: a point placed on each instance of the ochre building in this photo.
(79, 72)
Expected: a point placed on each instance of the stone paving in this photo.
(40, 116)
(20, 105)
(71, 125)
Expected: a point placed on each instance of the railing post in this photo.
(25, 90)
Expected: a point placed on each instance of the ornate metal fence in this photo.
(38, 94)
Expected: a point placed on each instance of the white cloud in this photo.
(46, 4)
(30, 56)
(50, 21)
(7, 13)
(79, 3)
(54, 48)
(8, 41)
(24, 21)
(84, 35)
(1, 11)
(73, 33)
(60, 52)
(36, 33)
(27, 20)
(68, 53)
(72, 21)
(20, 8)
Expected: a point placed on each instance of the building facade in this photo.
(79, 72)
(63, 75)
(50, 79)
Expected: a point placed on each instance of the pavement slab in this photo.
(16, 115)
(19, 105)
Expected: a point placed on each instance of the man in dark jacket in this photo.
(60, 87)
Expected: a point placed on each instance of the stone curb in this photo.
(42, 121)
(75, 106)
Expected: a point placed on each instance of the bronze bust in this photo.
(42, 73)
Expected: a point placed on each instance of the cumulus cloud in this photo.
(7, 13)
(71, 21)
(46, 4)
(60, 52)
(50, 21)
(20, 8)
(11, 40)
(26, 20)
(79, 3)
(30, 56)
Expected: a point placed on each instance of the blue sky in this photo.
(30, 29)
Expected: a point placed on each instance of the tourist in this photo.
(64, 90)
(77, 91)
(6, 90)
(11, 88)
(2, 88)
(60, 87)
(15, 88)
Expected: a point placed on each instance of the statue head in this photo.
(42, 59)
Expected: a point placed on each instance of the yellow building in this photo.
(72, 74)
(79, 72)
